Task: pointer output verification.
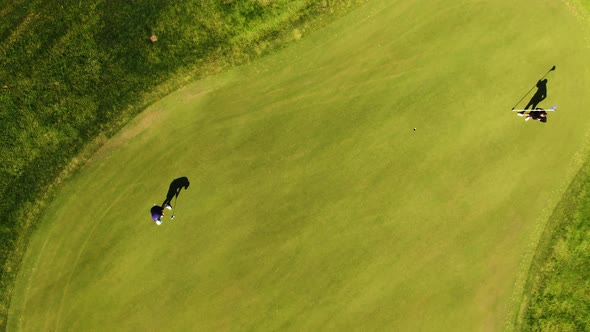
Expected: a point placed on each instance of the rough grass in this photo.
(557, 295)
(313, 203)
(557, 292)
(73, 71)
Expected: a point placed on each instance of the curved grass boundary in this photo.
(555, 294)
(446, 266)
(32, 171)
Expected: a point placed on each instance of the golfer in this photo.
(175, 186)
(157, 214)
(539, 95)
(538, 114)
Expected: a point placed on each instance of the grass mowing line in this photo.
(66, 286)
(55, 37)
(543, 268)
(33, 211)
(18, 324)
(544, 236)
(540, 238)
(298, 216)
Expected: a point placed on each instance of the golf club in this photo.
(550, 70)
(174, 208)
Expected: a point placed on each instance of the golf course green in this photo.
(314, 205)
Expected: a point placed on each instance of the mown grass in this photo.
(46, 104)
(73, 71)
(557, 294)
(314, 206)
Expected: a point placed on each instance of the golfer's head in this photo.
(544, 81)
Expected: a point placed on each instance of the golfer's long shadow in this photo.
(174, 190)
(539, 96)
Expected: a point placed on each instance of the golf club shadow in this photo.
(541, 93)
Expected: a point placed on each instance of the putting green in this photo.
(313, 204)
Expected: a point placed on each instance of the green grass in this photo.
(557, 296)
(313, 205)
(74, 73)
(556, 292)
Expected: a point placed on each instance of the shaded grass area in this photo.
(557, 296)
(73, 71)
